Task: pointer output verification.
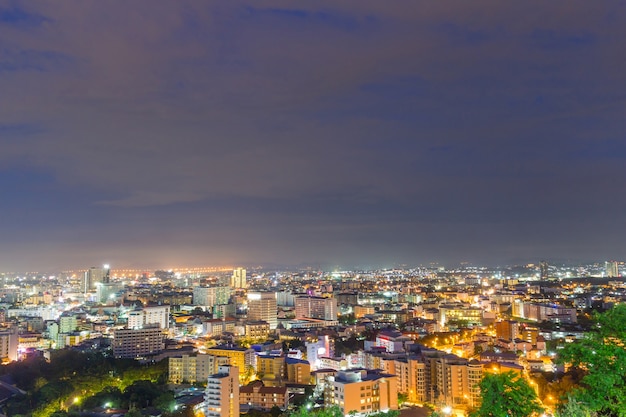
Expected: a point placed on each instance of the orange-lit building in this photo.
(363, 391)
(298, 371)
(257, 395)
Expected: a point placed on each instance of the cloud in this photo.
(451, 111)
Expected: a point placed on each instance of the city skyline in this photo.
(362, 133)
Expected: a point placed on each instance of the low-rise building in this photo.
(257, 395)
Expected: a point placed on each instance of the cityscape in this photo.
(271, 208)
(240, 340)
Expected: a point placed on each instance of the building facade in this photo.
(257, 395)
(211, 296)
(262, 306)
(239, 279)
(240, 357)
(363, 391)
(316, 308)
(137, 343)
(221, 397)
(194, 368)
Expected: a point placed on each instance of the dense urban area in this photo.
(227, 341)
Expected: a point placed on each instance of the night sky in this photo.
(332, 133)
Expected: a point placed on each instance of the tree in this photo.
(506, 395)
(402, 398)
(275, 411)
(390, 413)
(323, 412)
(574, 408)
(133, 412)
(142, 393)
(602, 355)
(165, 401)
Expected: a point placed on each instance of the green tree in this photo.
(141, 393)
(165, 401)
(133, 412)
(602, 355)
(390, 413)
(276, 411)
(574, 408)
(402, 398)
(506, 395)
(323, 412)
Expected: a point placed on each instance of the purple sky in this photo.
(159, 133)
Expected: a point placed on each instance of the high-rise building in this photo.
(262, 306)
(457, 381)
(211, 296)
(221, 397)
(543, 270)
(8, 344)
(67, 323)
(611, 268)
(95, 275)
(107, 292)
(137, 343)
(439, 377)
(157, 315)
(507, 330)
(148, 316)
(239, 278)
(316, 308)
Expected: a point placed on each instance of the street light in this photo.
(447, 410)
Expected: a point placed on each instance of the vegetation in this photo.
(347, 319)
(74, 381)
(574, 408)
(506, 395)
(554, 387)
(602, 356)
(348, 346)
(402, 398)
(334, 412)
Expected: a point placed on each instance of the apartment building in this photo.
(363, 391)
(262, 306)
(257, 395)
(194, 368)
(271, 369)
(298, 371)
(240, 357)
(221, 397)
(319, 308)
(137, 343)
